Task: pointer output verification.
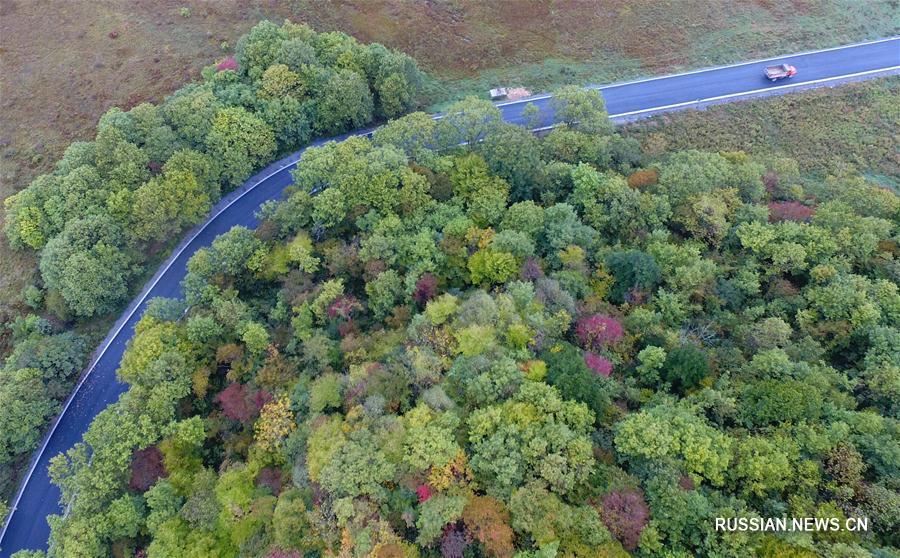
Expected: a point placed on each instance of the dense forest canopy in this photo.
(522, 346)
(113, 205)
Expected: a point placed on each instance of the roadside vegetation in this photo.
(556, 346)
(829, 131)
(111, 205)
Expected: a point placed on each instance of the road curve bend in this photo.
(37, 497)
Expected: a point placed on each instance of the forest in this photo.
(458, 339)
(114, 206)
(455, 338)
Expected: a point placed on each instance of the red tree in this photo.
(453, 543)
(488, 521)
(424, 492)
(240, 404)
(426, 289)
(344, 307)
(789, 211)
(531, 270)
(625, 514)
(598, 364)
(598, 331)
(146, 468)
(270, 477)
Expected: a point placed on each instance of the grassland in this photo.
(828, 131)
(62, 64)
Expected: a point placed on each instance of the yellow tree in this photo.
(276, 422)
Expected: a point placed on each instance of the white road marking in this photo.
(753, 92)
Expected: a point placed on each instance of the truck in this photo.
(498, 93)
(780, 71)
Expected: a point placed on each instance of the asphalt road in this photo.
(37, 497)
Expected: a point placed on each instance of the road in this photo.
(98, 387)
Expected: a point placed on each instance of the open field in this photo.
(64, 63)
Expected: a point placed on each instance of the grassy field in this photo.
(828, 131)
(63, 63)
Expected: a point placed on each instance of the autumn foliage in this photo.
(146, 468)
(789, 211)
(595, 332)
(625, 514)
(598, 364)
(643, 178)
(241, 404)
(488, 521)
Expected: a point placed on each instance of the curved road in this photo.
(98, 387)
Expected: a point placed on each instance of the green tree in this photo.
(514, 154)
(241, 141)
(468, 122)
(190, 111)
(685, 366)
(533, 436)
(414, 133)
(633, 271)
(491, 267)
(24, 408)
(86, 266)
(773, 401)
(357, 468)
(279, 81)
(762, 465)
(258, 49)
(678, 435)
(344, 103)
(384, 291)
(581, 108)
(435, 513)
(164, 206)
(291, 526)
